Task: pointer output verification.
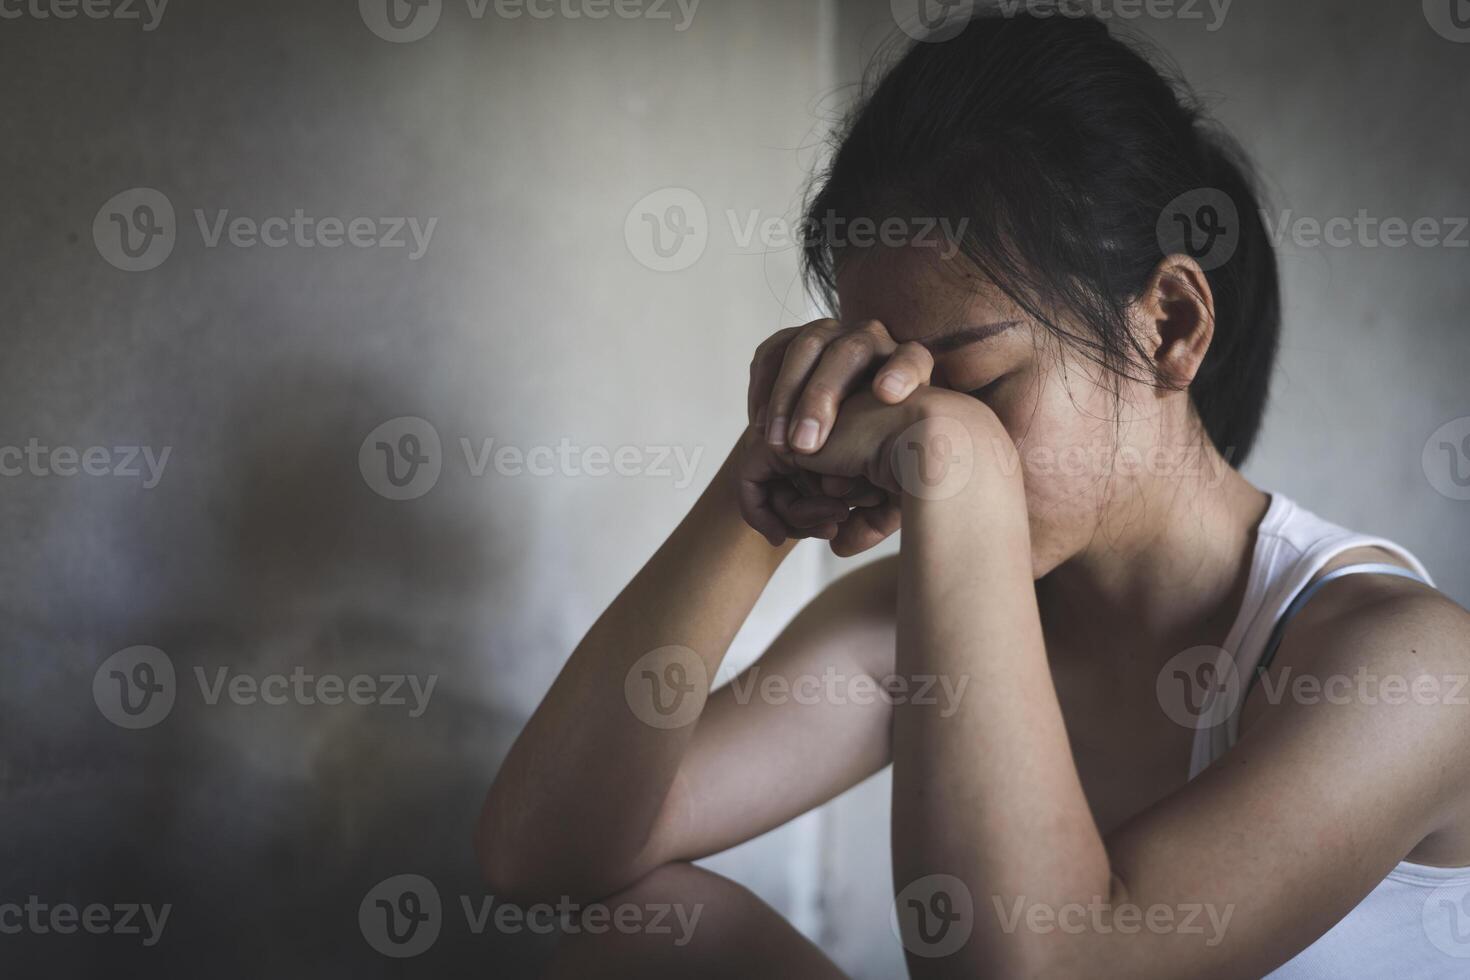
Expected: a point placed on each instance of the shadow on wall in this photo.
(264, 826)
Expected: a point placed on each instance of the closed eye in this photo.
(944, 343)
(985, 389)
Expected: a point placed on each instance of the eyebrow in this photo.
(943, 343)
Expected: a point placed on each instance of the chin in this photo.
(1060, 529)
(1046, 559)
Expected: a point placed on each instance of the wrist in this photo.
(953, 446)
(721, 518)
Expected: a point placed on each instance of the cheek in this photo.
(1065, 432)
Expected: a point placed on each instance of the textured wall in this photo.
(528, 319)
(266, 541)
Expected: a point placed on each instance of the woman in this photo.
(1119, 784)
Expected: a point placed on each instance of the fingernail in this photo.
(776, 432)
(805, 436)
(893, 385)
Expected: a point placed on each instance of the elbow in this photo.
(499, 873)
(502, 868)
(505, 869)
(521, 875)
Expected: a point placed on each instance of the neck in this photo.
(1169, 561)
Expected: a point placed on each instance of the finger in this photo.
(855, 491)
(805, 513)
(910, 366)
(838, 486)
(802, 353)
(808, 484)
(846, 362)
(867, 527)
(755, 507)
(763, 369)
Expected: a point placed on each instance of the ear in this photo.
(1176, 314)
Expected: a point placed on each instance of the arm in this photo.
(1273, 844)
(660, 794)
(586, 759)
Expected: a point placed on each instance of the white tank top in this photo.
(1416, 922)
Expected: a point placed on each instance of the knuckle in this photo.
(914, 352)
(809, 344)
(855, 347)
(774, 342)
(820, 396)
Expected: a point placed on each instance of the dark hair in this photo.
(1061, 148)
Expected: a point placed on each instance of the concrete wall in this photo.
(535, 316)
(528, 320)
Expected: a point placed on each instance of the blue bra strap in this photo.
(1302, 597)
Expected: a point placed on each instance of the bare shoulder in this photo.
(1386, 611)
(1395, 650)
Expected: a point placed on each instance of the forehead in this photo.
(915, 292)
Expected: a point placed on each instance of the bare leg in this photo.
(736, 935)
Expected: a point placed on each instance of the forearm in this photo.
(578, 797)
(989, 794)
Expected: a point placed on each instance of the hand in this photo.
(935, 445)
(800, 375)
(798, 378)
(779, 500)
